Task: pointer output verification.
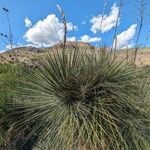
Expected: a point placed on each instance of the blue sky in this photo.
(43, 25)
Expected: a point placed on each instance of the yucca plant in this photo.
(83, 100)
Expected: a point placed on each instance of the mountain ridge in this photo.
(29, 53)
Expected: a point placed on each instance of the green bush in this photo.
(85, 100)
(8, 82)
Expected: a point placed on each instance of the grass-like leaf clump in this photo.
(78, 100)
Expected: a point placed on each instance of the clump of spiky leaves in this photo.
(85, 100)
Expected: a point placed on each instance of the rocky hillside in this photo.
(143, 56)
(28, 54)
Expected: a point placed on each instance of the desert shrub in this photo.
(8, 81)
(84, 100)
(7, 75)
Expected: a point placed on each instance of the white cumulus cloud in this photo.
(73, 38)
(124, 39)
(87, 39)
(47, 32)
(71, 27)
(105, 22)
(28, 22)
